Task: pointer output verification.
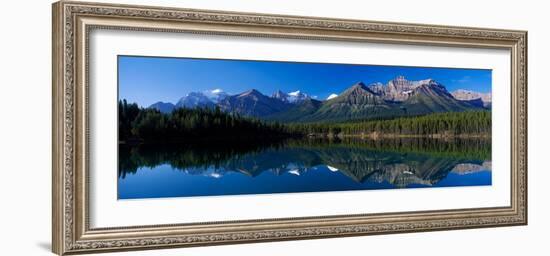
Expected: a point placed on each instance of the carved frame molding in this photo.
(72, 22)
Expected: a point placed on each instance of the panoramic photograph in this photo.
(212, 127)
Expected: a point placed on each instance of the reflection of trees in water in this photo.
(183, 156)
(397, 161)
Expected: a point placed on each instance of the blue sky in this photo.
(146, 80)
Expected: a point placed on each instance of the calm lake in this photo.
(309, 165)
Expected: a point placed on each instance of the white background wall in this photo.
(25, 116)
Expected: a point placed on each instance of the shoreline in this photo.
(372, 136)
(375, 136)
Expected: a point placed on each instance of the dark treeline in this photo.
(184, 124)
(192, 124)
(449, 123)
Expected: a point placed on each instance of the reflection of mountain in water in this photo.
(468, 168)
(399, 162)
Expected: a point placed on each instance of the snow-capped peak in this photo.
(428, 81)
(194, 99)
(216, 94)
(295, 94)
(332, 96)
(292, 97)
(217, 91)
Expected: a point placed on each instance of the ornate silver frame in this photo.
(72, 22)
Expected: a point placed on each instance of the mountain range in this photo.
(399, 97)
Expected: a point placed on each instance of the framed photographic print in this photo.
(179, 127)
